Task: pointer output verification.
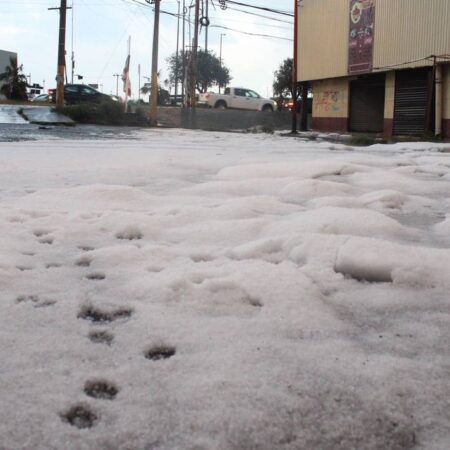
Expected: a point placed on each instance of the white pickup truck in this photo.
(238, 98)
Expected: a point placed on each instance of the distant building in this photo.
(34, 90)
(377, 65)
(5, 60)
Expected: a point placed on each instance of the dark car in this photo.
(81, 93)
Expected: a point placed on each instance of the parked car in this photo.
(80, 93)
(238, 98)
(40, 98)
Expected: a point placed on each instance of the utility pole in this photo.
(139, 82)
(73, 54)
(294, 70)
(61, 53)
(154, 82)
(220, 53)
(177, 60)
(183, 53)
(207, 26)
(117, 83)
(193, 61)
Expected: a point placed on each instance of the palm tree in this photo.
(163, 94)
(13, 81)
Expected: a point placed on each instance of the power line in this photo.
(175, 15)
(251, 34)
(261, 15)
(262, 8)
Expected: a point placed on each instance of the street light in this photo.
(221, 37)
(220, 54)
(117, 83)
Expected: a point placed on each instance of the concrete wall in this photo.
(211, 119)
(330, 105)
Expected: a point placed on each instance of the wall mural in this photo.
(361, 37)
(329, 101)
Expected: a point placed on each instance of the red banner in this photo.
(361, 37)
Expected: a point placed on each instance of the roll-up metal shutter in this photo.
(367, 103)
(411, 100)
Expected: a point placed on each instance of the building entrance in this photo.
(367, 95)
(411, 102)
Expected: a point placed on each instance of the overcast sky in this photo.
(102, 27)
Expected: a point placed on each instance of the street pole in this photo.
(154, 82)
(206, 27)
(139, 82)
(73, 54)
(294, 71)
(193, 62)
(220, 53)
(183, 53)
(177, 60)
(61, 54)
(117, 83)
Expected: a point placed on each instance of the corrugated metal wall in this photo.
(405, 30)
(323, 39)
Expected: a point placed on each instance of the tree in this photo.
(14, 81)
(282, 84)
(210, 70)
(163, 94)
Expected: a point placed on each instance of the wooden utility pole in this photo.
(193, 60)
(61, 53)
(154, 81)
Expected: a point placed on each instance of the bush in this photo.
(362, 140)
(105, 113)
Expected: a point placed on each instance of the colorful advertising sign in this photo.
(361, 38)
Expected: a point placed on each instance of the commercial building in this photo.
(379, 66)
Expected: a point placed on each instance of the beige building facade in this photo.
(377, 65)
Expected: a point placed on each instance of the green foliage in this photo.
(14, 81)
(105, 113)
(163, 94)
(362, 140)
(282, 84)
(210, 70)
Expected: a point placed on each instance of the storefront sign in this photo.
(361, 38)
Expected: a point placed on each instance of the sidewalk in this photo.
(9, 114)
(40, 115)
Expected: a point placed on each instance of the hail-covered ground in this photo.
(209, 291)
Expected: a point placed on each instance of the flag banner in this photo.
(126, 77)
(361, 38)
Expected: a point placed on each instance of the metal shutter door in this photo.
(411, 99)
(367, 104)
